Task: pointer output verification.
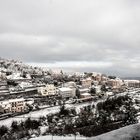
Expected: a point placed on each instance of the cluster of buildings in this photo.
(25, 82)
(133, 83)
(16, 93)
(9, 100)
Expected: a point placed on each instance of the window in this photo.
(13, 104)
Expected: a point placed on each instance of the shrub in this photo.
(32, 124)
(14, 126)
(3, 130)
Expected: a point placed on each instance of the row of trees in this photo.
(110, 114)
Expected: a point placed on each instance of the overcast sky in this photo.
(75, 35)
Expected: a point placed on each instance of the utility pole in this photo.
(75, 136)
(75, 132)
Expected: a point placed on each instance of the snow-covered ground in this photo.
(34, 115)
(38, 114)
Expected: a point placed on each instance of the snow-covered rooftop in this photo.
(86, 94)
(25, 84)
(84, 89)
(12, 100)
(63, 89)
(15, 76)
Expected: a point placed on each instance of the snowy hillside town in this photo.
(69, 69)
(35, 102)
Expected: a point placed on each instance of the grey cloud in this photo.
(52, 31)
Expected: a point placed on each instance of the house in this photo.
(98, 77)
(84, 90)
(97, 88)
(66, 92)
(4, 91)
(79, 74)
(115, 83)
(19, 92)
(86, 83)
(104, 78)
(2, 76)
(48, 90)
(95, 82)
(85, 97)
(71, 85)
(13, 106)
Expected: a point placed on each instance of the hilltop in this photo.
(9, 66)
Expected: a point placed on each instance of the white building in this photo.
(97, 88)
(66, 92)
(84, 90)
(70, 84)
(48, 90)
(86, 83)
(109, 94)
